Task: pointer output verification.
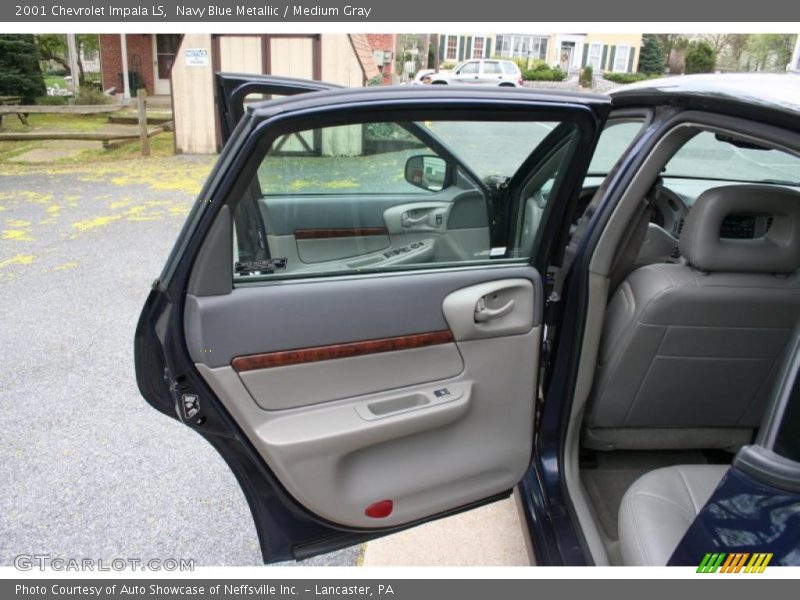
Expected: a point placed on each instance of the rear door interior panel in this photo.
(361, 307)
(413, 405)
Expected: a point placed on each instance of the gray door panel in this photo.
(301, 314)
(430, 428)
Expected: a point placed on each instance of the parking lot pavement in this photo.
(89, 470)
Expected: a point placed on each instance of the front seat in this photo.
(658, 509)
(689, 352)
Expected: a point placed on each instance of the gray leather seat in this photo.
(689, 352)
(658, 509)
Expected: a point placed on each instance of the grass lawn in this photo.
(53, 80)
(161, 145)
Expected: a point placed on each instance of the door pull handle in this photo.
(483, 314)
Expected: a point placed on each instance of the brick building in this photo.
(383, 48)
(150, 58)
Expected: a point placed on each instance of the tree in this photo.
(53, 46)
(670, 42)
(425, 51)
(651, 58)
(20, 74)
(771, 51)
(700, 58)
(718, 41)
(736, 48)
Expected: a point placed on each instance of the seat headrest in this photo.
(778, 251)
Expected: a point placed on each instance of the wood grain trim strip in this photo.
(316, 234)
(284, 358)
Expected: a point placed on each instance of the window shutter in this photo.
(585, 55)
(468, 53)
(461, 44)
(603, 64)
(487, 48)
(442, 47)
(612, 59)
(631, 54)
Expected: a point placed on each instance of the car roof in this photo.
(775, 95)
(419, 94)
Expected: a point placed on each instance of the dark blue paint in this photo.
(744, 515)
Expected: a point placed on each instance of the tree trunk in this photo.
(426, 48)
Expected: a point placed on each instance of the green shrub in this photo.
(545, 73)
(586, 76)
(91, 95)
(700, 58)
(52, 100)
(626, 77)
(447, 65)
(537, 64)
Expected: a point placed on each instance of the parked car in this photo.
(504, 73)
(390, 305)
(422, 76)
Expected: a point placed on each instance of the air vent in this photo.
(770, 219)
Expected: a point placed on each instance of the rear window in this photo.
(510, 68)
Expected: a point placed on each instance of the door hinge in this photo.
(254, 267)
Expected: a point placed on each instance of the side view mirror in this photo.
(426, 171)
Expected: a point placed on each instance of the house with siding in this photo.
(462, 46)
(612, 53)
(569, 51)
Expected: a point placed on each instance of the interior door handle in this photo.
(408, 221)
(483, 314)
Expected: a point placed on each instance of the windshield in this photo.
(493, 150)
(706, 157)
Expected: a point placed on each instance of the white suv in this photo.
(481, 72)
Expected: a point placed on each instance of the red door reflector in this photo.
(379, 510)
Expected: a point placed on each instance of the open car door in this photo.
(374, 364)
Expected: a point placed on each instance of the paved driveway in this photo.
(88, 469)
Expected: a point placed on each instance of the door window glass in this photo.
(614, 140)
(384, 196)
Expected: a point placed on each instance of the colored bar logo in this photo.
(735, 562)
